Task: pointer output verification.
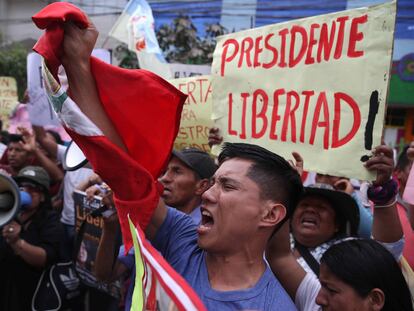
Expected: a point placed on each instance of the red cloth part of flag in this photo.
(144, 108)
(51, 18)
(136, 193)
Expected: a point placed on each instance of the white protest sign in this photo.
(317, 86)
(40, 112)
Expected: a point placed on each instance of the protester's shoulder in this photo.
(176, 239)
(175, 217)
(275, 293)
(176, 224)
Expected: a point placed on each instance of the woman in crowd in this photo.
(302, 286)
(361, 275)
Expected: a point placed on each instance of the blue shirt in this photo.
(196, 215)
(177, 241)
(129, 260)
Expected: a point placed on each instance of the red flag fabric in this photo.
(144, 109)
(140, 104)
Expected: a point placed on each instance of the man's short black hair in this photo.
(15, 138)
(274, 175)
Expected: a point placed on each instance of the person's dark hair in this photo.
(15, 138)
(5, 137)
(403, 160)
(273, 174)
(365, 264)
(56, 136)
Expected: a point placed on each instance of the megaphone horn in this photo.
(11, 199)
(74, 158)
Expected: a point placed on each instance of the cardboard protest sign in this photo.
(8, 98)
(87, 252)
(317, 86)
(196, 116)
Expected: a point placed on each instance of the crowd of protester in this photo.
(319, 253)
(241, 229)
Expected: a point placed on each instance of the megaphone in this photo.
(12, 200)
(74, 158)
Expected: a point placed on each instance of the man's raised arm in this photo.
(77, 46)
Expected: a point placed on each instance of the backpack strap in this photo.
(307, 256)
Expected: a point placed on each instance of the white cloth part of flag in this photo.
(68, 112)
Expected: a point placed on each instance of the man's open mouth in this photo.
(207, 221)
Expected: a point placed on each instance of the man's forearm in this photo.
(104, 260)
(55, 173)
(83, 91)
(282, 261)
(33, 255)
(386, 226)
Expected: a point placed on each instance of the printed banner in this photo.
(8, 99)
(90, 241)
(196, 116)
(317, 86)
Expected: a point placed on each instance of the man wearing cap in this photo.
(186, 178)
(29, 243)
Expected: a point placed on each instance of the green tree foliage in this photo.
(180, 44)
(13, 64)
(127, 59)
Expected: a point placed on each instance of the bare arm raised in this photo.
(386, 226)
(78, 45)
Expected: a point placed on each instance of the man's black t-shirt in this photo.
(18, 279)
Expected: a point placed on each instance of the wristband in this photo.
(387, 205)
(381, 195)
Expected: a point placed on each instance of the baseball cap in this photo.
(35, 174)
(197, 160)
(343, 204)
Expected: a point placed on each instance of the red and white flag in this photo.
(144, 109)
